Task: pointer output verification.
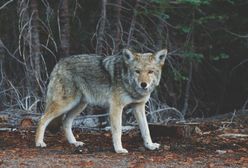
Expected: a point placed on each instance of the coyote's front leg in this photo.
(142, 121)
(116, 124)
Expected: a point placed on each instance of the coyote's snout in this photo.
(113, 82)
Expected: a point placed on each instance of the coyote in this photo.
(114, 82)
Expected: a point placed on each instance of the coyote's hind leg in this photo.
(53, 110)
(67, 123)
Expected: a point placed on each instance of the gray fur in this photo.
(114, 81)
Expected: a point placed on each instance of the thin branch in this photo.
(166, 109)
(241, 63)
(236, 34)
(9, 53)
(245, 105)
(4, 5)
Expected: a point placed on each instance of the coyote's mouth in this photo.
(143, 91)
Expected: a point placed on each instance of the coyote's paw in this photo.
(121, 150)
(40, 144)
(78, 143)
(152, 146)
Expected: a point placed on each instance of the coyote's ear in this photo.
(161, 56)
(127, 55)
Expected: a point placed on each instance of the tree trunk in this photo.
(29, 49)
(64, 27)
(132, 25)
(117, 25)
(24, 44)
(101, 29)
(35, 46)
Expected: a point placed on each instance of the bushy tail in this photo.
(55, 125)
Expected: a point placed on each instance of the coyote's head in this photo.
(144, 69)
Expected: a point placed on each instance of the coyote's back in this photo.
(80, 76)
(114, 82)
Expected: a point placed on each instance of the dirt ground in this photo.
(214, 144)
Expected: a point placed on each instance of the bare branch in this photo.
(236, 34)
(7, 3)
(241, 63)
(245, 105)
(177, 112)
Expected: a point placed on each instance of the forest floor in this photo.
(192, 144)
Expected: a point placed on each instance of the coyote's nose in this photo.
(143, 85)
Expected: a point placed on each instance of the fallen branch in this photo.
(231, 135)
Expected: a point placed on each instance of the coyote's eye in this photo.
(150, 72)
(137, 71)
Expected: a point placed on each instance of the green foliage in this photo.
(213, 17)
(160, 11)
(221, 56)
(179, 76)
(184, 28)
(161, 2)
(231, 1)
(193, 56)
(195, 3)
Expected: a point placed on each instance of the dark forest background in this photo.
(206, 72)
